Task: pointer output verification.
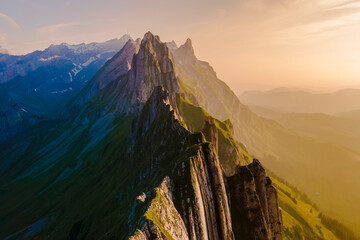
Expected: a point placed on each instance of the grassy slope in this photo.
(323, 171)
(107, 178)
(68, 200)
(341, 131)
(301, 217)
(195, 117)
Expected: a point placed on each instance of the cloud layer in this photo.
(55, 27)
(11, 21)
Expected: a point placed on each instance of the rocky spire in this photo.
(185, 52)
(172, 45)
(152, 66)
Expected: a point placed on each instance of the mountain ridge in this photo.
(303, 101)
(35, 82)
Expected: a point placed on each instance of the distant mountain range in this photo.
(152, 145)
(34, 83)
(341, 130)
(3, 51)
(319, 141)
(282, 99)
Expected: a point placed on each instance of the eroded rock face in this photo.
(185, 52)
(152, 66)
(254, 206)
(211, 134)
(210, 196)
(192, 206)
(130, 77)
(163, 220)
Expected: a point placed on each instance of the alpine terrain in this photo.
(152, 146)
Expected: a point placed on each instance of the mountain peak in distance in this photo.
(185, 52)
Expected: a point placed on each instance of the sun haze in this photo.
(252, 44)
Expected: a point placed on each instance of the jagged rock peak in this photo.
(185, 52)
(188, 43)
(152, 44)
(150, 37)
(152, 66)
(172, 45)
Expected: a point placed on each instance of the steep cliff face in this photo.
(185, 53)
(254, 205)
(127, 86)
(152, 66)
(162, 219)
(210, 204)
(193, 195)
(193, 205)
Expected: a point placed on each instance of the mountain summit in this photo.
(152, 66)
(185, 52)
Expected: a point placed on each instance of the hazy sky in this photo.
(252, 44)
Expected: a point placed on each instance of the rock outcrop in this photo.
(194, 205)
(163, 221)
(208, 216)
(185, 52)
(254, 206)
(152, 66)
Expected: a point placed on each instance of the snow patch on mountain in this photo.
(71, 78)
(80, 67)
(91, 59)
(77, 69)
(62, 91)
(49, 58)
